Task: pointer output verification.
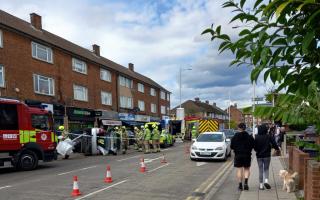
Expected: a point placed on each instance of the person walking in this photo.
(242, 144)
(262, 145)
(124, 140)
(147, 137)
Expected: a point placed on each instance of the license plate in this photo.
(205, 153)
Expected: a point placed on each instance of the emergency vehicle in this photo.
(26, 135)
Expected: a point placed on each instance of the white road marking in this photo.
(111, 186)
(158, 168)
(150, 160)
(201, 163)
(4, 187)
(77, 170)
(128, 158)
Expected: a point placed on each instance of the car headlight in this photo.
(219, 148)
(194, 148)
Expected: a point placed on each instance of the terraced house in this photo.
(79, 86)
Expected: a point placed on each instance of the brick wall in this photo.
(298, 165)
(19, 65)
(312, 183)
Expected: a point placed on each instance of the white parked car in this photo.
(210, 145)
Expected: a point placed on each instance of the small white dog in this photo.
(289, 180)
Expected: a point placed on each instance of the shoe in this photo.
(240, 188)
(267, 186)
(246, 187)
(261, 188)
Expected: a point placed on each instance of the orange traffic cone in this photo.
(143, 166)
(75, 191)
(108, 178)
(163, 160)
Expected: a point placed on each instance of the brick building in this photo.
(78, 85)
(236, 114)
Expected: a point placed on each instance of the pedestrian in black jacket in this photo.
(262, 145)
(242, 144)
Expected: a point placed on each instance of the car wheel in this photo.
(225, 156)
(28, 160)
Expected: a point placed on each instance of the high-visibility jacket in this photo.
(155, 134)
(147, 134)
(194, 133)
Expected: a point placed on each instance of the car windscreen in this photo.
(210, 138)
(228, 133)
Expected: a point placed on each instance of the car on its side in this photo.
(210, 145)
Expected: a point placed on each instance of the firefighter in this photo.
(118, 138)
(124, 140)
(63, 132)
(136, 136)
(140, 139)
(194, 132)
(155, 139)
(147, 137)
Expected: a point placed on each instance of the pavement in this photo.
(276, 192)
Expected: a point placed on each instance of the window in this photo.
(168, 96)
(168, 110)
(80, 93)
(79, 66)
(153, 108)
(163, 95)
(105, 75)
(126, 102)
(1, 76)
(40, 122)
(43, 85)
(1, 39)
(106, 98)
(8, 117)
(141, 105)
(125, 82)
(41, 52)
(140, 87)
(163, 110)
(152, 92)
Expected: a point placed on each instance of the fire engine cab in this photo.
(26, 135)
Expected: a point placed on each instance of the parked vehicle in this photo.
(26, 135)
(210, 145)
(229, 133)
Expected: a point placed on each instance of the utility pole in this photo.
(229, 111)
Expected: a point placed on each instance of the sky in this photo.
(158, 36)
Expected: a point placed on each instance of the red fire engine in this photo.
(26, 135)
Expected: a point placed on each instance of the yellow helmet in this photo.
(135, 128)
(116, 128)
(61, 128)
(146, 126)
(123, 127)
(142, 126)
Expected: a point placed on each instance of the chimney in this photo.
(36, 21)
(207, 102)
(197, 99)
(96, 49)
(131, 66)
(214, 104)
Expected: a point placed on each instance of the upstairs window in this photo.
(79, 66)
(43, 85)
(80, 93)
(41, 52)
(123, 81)
(126, 102)
(105, 75)
(154, 108)
(140, 87)
(1, 39)
(163, 95)
(1, 76)
(141, 105)
(168, 96)
(152, 92)
(163, 110)
(106, 98)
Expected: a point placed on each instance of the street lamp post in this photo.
(253, 108)
(180, 72)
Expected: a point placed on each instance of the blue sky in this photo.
(158, 36)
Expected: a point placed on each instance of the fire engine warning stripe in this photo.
(208, 125)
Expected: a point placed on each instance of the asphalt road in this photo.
(179, 178)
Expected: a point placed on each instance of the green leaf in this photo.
(266, 74)
(312, 17)
(242, 3)
(264, 54)
(274, 75)
(218, 29)
(238, 16)
(281, 7)
(255, 73)
(244, 32)
(208, 30)
(280, 41)
(224, 37)
(307, 41)
(257, 3)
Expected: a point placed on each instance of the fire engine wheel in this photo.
(28, 160)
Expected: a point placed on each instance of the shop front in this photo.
(80, 118)
(106, 118)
